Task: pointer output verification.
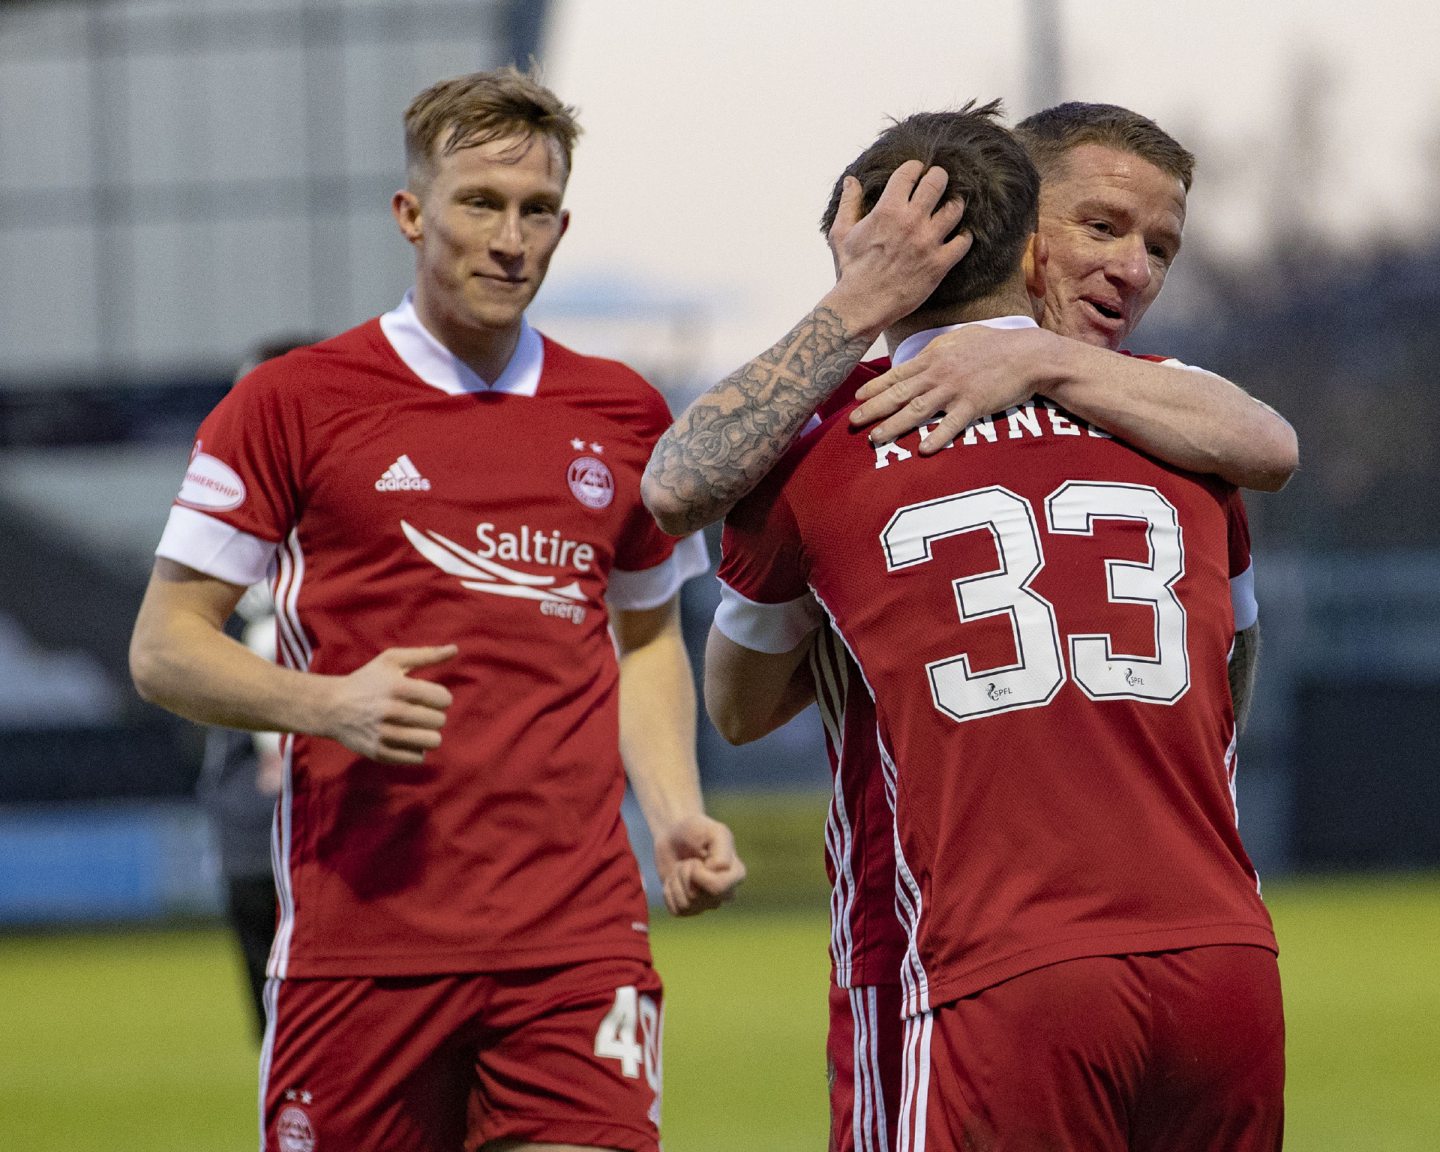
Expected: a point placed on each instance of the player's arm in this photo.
(1192, 419)
(182, 660)
(798, 695)
(694, 854)
(887, 263)
(1244, 666)
(748, 693)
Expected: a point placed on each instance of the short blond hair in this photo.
(466, 111)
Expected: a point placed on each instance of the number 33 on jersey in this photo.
(1160, 674)
(1043, 617)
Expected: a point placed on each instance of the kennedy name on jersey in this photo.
(1034, 418)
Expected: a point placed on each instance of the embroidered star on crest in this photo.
(596, 448)
(578, 445)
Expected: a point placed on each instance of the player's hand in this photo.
(382, 713)
(699, 868)
(965, 374)
(888, 261)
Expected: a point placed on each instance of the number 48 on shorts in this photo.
(630, 1033)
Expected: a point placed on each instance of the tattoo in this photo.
(733, 434)
(1244, 663)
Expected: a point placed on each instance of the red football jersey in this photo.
(1043, 617)
(867, 939)
(400, 501)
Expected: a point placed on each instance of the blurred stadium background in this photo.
(182, 178)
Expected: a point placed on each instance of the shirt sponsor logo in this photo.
(591, 482)
(479, 570)
(210, 483)
(575, 613)
(402, 476)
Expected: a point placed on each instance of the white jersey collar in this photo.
(440, 368)
(910, 347)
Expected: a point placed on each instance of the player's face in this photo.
(484, 230)
(1110, 227)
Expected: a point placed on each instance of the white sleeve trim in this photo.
(1242, 599)
(768, 628)
(651, 587)
(215, 548)
(1171, 362)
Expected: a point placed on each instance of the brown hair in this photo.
(1050, 134)
(987, 166)
(470, 110)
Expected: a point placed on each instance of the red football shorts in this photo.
(1142, 1053)
(565, 1055)
(864, 1067)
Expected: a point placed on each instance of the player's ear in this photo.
(564, 221)
(405, 207)
(1036, 254)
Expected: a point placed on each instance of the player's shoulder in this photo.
(792, 474)
(1167, 361)
(844, 395)
(301, 371)
(591, 372)
(610, 387)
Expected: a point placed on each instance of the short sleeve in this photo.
(1242, 569)
(766, 604)
(650, 565)
(239, 495)
(651, 587)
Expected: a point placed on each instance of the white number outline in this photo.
(907, 540)
(1093, 659)
(1038, 671)
(616, 1037)
(652, 1024)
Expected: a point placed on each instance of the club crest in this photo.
(591, 482)
(294, 1132)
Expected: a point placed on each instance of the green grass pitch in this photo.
(138, 1040)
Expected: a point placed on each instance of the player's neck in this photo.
(485, 351)
(1008, 301)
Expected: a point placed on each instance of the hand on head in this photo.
(888, 261)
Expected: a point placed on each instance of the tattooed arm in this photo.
(1244, 663)
(733, 434)
(887, 263)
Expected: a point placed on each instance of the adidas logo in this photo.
(402, 476)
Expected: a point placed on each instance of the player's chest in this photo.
(516, 477)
